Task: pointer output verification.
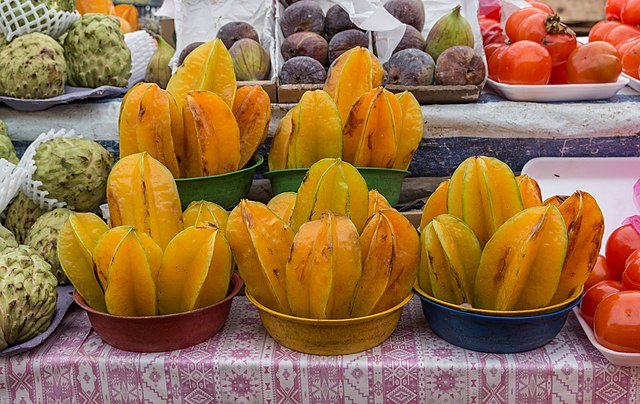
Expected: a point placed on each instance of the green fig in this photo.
(449, 31)
(158, 70)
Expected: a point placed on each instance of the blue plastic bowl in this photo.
(494, 334)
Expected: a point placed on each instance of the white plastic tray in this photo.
(559, 92)
(633, 83)
(617, 358)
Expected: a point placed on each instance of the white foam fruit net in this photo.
(11, 179)
(20, 17)
(31, 187)
(142, 46)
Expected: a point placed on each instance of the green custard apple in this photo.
(22, 213)
(43, 238)
(7, 239)
(59, 5)
(7, 151)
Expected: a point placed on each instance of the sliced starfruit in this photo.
(377, 202)
(529, 191)
(585, 228)
(390, 259)
(260, 242)
(324, 268)
(252, 109)
(451, 255)
(484, 193)
(199, 213)
(76, 242)
(436, 204)
(409, 130)
(331, 185)
(522, 263)
(141, 192)
(196, 270)
(282, 205)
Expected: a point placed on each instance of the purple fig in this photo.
(302, 70)
(459, 66)
(302, 16)
(409, 67)
(337, 20)
(410, 12)
(250, 61)
(345, 40)
(412, 39)
(305, 44)
(449, 31)
(187, 50)
(232, 32)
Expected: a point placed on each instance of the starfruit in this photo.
(129, 13)
(212, 137)
(282, 205)
(354, 73)
(436, 204)
(76, 242)
(260, 242)
(409, 130)
(199, 213)
(279, 151)
(196, 270)
(484, 193)
(141, 192)
(131, 287)
(95, 6)
(151, 122)
(390, 250)
(585, 228)
(324, 268)
(555, 200)
(331, 185)
(208, 68)
(529, 191)
(316, 130)
(521, 264)
(377, 202)
(252, 109)
(450, 258)
(371, 132)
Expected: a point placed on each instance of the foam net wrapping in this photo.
(20, 17)
(11, 179)
(142, 46)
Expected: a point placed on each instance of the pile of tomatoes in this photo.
(622, 30)
(611, 303)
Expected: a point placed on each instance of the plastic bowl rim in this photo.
(572, 303)
(237, 285)
(341, 321)
(270, 174)
(258, 159)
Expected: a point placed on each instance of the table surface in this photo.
(243, 364)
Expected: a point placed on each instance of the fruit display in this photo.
(158, 70)
(482, 247)
(147, 262)
(329, 262)
(43, 238)
(20, 215)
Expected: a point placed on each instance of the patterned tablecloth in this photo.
(243, 364)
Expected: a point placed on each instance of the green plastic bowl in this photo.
(225, 189)
(386, 180)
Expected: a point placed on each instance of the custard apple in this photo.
(59, 5)
(73, 170)
(22, 213)
(33, 66)
(7, 239)
(28, 295)
(96, 52)
(3, 40)
(7, 151)
(43, 237)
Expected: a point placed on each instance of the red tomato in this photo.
(631, 60)
(613, 9)
(595, 62)
(524, 62)
(620, 34)
(541, 6)
(559, 74)
(631, 13)
(631, 274)
(601, 30)
(600, 272)
(621, 244)
(516, 19)
(617, 321)
(595, 295)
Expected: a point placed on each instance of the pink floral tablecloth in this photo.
(243, 364)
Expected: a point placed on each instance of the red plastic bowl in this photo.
(161, 333)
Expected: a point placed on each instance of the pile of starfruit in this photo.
(201, 125)
(489, 241)
(352, 118)
(334, 250)
(153, 259)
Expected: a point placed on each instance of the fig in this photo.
(302, 70)
(187, 50)
(337, 20)
(232, 32)
(410, 67)
(449, 31)
(302, 16)
(412, 39)
(459, 66)
(158, 70)
(305, 44)
(345, 40)
(250, 61)
(410, 12)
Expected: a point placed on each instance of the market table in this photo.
(243, 364)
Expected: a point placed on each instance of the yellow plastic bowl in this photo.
(504, 313)
(330, 337)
